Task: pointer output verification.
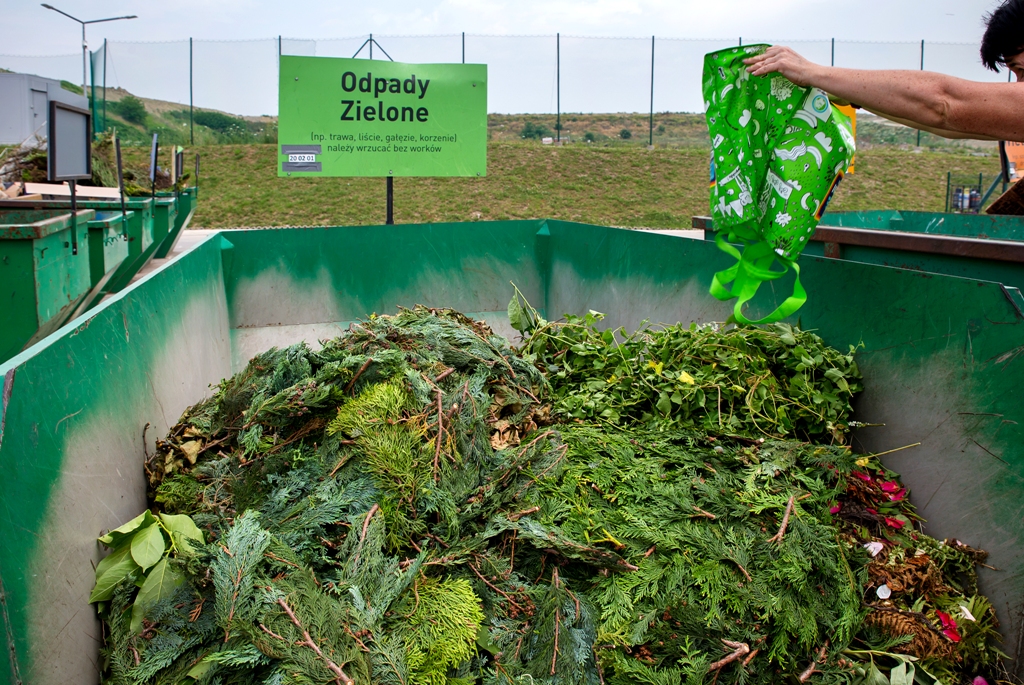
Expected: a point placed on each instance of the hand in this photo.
(785, 61)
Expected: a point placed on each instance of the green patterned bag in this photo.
(778, 152)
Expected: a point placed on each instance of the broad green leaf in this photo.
(516, 315)
(118, 536)
(200, 669)
(903, 674)
(160, 584)
(875, 677)
(111, 570)
(483, 640)
(183, 530)
(148, 546)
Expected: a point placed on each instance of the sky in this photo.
(29, 29)
(596, 75)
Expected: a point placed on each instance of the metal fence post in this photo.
(463, 47)
(558, 87)
(104, 85)
(650, 136)
(191, 124)
(371, 46)
(833, 52)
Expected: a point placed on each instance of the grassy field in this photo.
(619, 186)
(690, 130)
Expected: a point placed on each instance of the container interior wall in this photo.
(943, 360)
(309, 284)
(80, 410)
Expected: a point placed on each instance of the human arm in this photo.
(926, 100)
(954, 135)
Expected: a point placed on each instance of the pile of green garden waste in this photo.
(418, 502)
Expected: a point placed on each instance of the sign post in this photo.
(69, 153)
(355, 117)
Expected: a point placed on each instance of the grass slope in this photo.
(620, 186)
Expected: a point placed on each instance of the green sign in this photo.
(357, 117)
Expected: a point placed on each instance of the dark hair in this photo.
(1004, 36)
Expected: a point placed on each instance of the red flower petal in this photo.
(873, 512)
(863, 476)
(836, 508)
(898, 496)
(952, 634)
(894, 523)
(890, 486)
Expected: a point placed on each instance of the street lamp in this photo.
(85, 48)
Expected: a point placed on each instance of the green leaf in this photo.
(183, 530)
(903, 674)
(517, 315)
(111, 570)
(875, 677)
(200, 669)
(119, 536)
(483, 641)
(148, 546)
(160, 584)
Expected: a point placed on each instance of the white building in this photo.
(25, 105)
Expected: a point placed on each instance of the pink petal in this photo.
(836, 508)
(873, 512)
(980, 681)
(863, 476)
(890, 486)
(898, 496)
(894, 523)
(952, 634)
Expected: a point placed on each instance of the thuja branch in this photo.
(307, 641)
(806, 675)
(741, 649)
(785, 521)
(440, 436)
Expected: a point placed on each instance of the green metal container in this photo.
(925, 249)
(41, 281)
(164, 215)
(185, 209)
(935, 223)
(140, 231)
(108, 244)
(942, 356)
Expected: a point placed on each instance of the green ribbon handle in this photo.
(752, 268)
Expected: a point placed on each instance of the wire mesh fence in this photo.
(527, 74)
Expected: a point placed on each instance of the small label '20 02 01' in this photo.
(301, 158)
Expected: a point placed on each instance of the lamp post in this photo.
(85, 48)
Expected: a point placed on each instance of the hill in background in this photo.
(138, 118)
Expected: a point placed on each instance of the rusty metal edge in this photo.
(974, 248)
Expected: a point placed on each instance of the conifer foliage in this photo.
(418, 503)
